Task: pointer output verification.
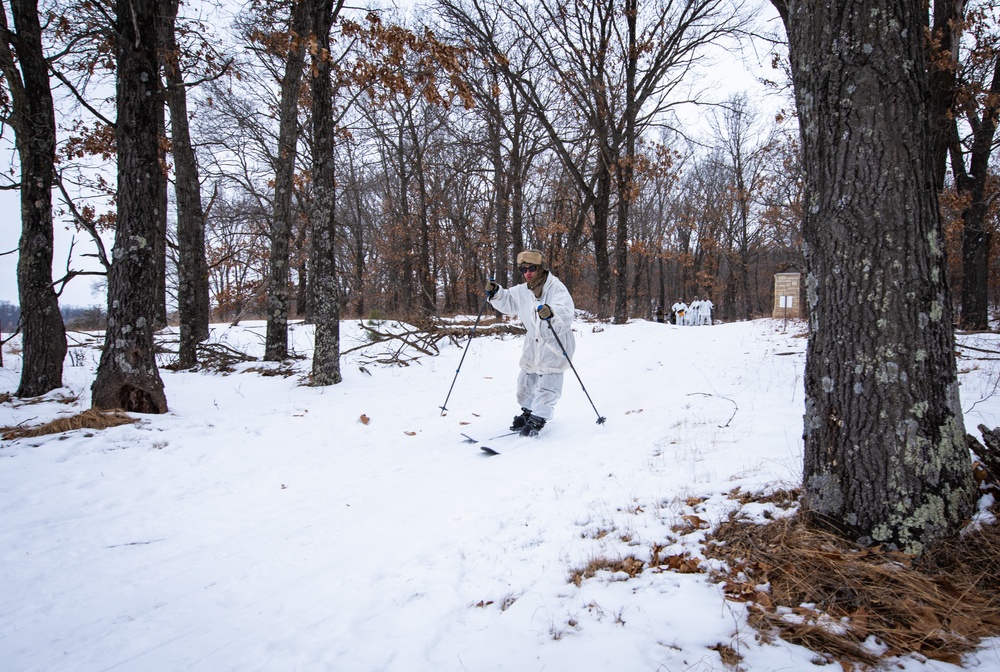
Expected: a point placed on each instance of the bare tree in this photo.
(620, 63)
(127, 376)
(508, 131)
(192, 267)
(746, 145)
(970, 97)
(25, 71)
(276, 339)
(325, 292)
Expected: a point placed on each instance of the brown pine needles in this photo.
(858, 605)
(90, 419)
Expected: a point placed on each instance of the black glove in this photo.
(492, 288)
(544, 311)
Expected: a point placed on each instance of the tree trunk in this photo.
(192, 266)
(975, 237)
(602, 258)
(661, 284)
(325, 292)
(519, 166)
(502, 180)
(975, 268)
(943, 61)
(626, 164)
(127, 376)
(426, 281)
(407, 243)
(33, 119)
(276, 338)
(885, 454)
(358, 252)
(621, 259)
(159, 315)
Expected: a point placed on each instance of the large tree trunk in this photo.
(33, 119)
(885, 454)
(325, 292)
(192, 266)
(276, 338)
(127, 376)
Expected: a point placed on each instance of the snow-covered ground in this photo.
(266, 525)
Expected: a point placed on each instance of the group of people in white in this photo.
(696, 313)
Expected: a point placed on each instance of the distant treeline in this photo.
(81, 318)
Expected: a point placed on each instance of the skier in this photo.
(694, 312)
(679, 308)
(706, 312)
(544, 304)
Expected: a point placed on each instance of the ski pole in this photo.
(472, 334)
(600, 418)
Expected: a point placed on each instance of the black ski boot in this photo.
(520, 420)
(532, 426)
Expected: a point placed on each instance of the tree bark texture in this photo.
(33, 119)
(885, 454)
(276, 338)
(325, 294)
(192, 266)
(127, 376)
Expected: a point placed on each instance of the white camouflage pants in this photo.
(539, 392)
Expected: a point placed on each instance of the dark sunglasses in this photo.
(528, 269)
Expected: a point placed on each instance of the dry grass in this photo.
(59, 398)
(816, 589)
(630, 565)
(89, 419)
(730, 656)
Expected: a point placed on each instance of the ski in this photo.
(469, 439)
(489, 452)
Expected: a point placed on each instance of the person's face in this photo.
(529, 271)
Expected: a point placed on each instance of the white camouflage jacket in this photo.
(541, 353)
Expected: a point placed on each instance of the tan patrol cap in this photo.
(531, 257)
